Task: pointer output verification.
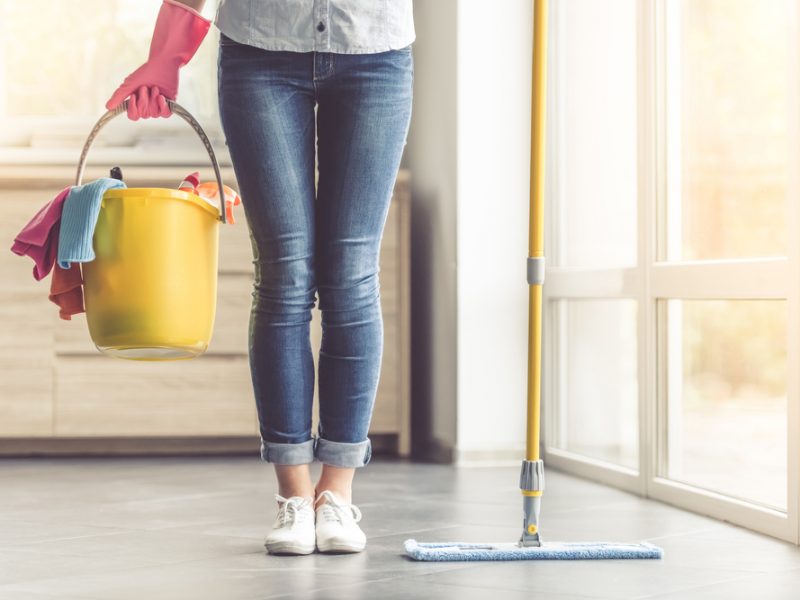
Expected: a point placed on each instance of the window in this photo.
(61, 61)
(592, 177)
(727, 118)
(672, 332)
(726, 394)
(598, 413)
(595, 83)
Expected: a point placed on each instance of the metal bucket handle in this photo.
(178, 110)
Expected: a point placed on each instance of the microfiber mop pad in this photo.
(547, 551)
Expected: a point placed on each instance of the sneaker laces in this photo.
(337, 509)
(291, 509)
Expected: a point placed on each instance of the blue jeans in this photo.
(312, 239)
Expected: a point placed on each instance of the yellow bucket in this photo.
(151, 291)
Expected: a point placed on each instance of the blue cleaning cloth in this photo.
(547, 551)
(78, 220)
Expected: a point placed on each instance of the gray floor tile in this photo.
(730, 547)
(17, 534)
(245, 578)
(629, 520)
(141, 548)
(404, 589)
(597, 579)
(194, 527)
(783, 585)
(17, 595)
(23, 565)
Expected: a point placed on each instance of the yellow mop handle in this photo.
(536, 226)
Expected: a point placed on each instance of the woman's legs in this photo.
(303, 244)
(363, 114)
(294, 480)
(267, 112)
(339, 480)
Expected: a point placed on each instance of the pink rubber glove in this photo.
(178, 33)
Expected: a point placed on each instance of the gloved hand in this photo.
(178, 33)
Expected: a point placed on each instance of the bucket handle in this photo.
(178, 110)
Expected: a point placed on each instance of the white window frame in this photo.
(654, 278)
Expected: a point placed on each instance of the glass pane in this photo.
(49, 71)
(727, 127)
(726, 380)
(597, 380)
(594, 133)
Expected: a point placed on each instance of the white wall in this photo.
(431, 155)
(469, 155)
(494, 86)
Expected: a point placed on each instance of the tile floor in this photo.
(192, 528)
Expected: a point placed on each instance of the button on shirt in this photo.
(341, 26)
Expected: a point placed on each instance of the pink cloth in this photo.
(66, 290)
(39, 238)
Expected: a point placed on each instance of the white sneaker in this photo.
(293, 530)
(337, 529)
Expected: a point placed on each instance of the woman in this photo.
(279, 60)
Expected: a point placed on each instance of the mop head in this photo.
(547, 551)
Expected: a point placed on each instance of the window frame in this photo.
(654, 279)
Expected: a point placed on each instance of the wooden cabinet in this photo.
(58, 393)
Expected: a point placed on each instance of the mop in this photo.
(530, 545)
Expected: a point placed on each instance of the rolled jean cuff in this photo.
(287, 453)
(343, 454)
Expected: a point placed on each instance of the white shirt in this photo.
(341, 26)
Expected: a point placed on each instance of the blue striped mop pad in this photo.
(547, 551)
(78, 220)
